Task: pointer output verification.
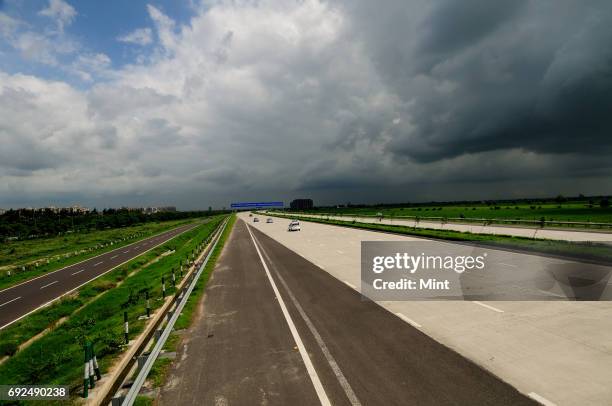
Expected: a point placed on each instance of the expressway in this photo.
(20, 300)
(283, 322)
(554, 349)
(275, 329)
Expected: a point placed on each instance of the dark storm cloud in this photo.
(481, 76)
(455, 25)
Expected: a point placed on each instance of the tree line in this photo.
(29, 223)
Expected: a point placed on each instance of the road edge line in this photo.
(314, 377)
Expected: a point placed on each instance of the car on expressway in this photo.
(256, 220)
(294, 226)
(269, 220)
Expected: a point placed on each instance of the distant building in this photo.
(79, 209)
(301, 204)
(133, 209)
(153, 210)
(2, 211)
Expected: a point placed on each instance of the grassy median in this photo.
(57, 357)
(594, 252)
(580, 211)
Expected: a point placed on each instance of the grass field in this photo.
(56, 358)
(574, 211)
(28, 259)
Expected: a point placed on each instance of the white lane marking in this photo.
(114, 256)
(495, 309)
(98, 263)
(408, 320)
(348, 390)
(503, 263)
(552, 294)
(541, 399)
(296, 336)
(125, 252)
(10, 301)
(77, 272)
(340, 252)
(48, 284)
(350, 285)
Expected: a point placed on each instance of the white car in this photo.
(269, 220)
(294, 226)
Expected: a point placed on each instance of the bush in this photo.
(9, 348)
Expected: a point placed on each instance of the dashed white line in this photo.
(503, 263)
(98, 263)
(125, 252)
(316, 381)
(48, 284)
(10, 301)
(340, 252)
(77, 272)
(114, 256)
(552, 294)
(495, 309)
(348, 390)
(541, 399)
(408, 320)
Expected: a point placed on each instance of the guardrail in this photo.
(173, 307)
(484, 221)
(130, 398)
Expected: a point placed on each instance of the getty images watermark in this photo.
(435, 270)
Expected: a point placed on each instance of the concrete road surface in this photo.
(557, 351)
(20, 300)
(274, 329)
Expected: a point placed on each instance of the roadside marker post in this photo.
(126, 325)
(92, 382)
(148, 304)
(95, 363)
(173, 278)
(86, 372)
(163, 288)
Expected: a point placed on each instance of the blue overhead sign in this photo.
(256, 205)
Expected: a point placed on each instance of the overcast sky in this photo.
(205, 103)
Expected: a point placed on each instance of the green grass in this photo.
(67, 250)
(159, 371)
(56, 358)
(601, 253)
(143, 401)
(574, 211)
(188, 312)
